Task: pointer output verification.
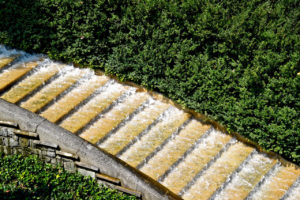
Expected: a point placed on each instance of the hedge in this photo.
(30, 178)
(235, 61)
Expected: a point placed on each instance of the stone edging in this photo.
(63, 146)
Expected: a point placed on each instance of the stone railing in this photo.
(23, 132)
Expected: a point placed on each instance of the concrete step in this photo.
(195, 161)
(172, 120)
(93, 108)
(116, 142)
(31, 83)
(69, 102)
(277, 184)
(174, 150)
(6, 60)
(111, 119)
(51, 91)
(246, 180)
(12, 75)
(293, 192)
(212, 178)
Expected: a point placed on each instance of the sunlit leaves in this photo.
(236, 61)
(30, 178)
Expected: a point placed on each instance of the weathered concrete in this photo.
(27, 121)
(50, 133)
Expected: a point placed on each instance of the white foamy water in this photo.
(196, 161)
(131, 129)
(168, 123)
(247, 178)
(207, 144)
(279, 184)
(88, 79)
(103, 92)
(120, 106)
(294, 193)
(151, 103)
(4, 52)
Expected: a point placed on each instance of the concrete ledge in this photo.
(26, 134)
(109, 179)
(50, 133)
(67, 155)
(8, 124)
(46, 144)
(129, 191)
(86, 166)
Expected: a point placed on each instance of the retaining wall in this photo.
(24, 132)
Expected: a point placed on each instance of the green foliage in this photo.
(235, 61)
(30, 178)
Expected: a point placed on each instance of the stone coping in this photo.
(50, 133)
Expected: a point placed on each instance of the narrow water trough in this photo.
(177, 151)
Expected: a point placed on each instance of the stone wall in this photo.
(23, 132)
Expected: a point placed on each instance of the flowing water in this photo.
(293, 193)
(190, 158)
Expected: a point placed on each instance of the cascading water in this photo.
(112, 121)
(295, 192)
(277, 183)
(189, 157)
(5, 53)
(245, 180)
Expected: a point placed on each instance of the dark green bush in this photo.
(30, 178)
(235, 61)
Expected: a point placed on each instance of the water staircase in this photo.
(189, 157)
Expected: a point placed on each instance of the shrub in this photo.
(30, 178)
(235, 61)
